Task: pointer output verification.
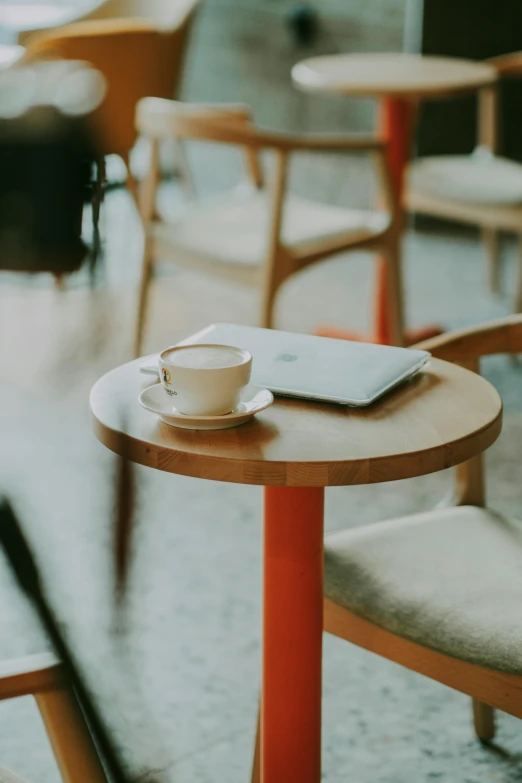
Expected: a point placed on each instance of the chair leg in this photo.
(59, 282)
(483, 720)
(97, 200)
(143, 297)
(395, 293)
(491, 239)
(131, 182)
(518, 284)
(278, 268)
(70, 738)
(256, 763)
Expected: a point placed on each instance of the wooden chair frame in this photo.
(488, 688)
(231, 124)
(165, 16)
(490, 219)
(42, 677)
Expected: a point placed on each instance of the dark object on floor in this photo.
(303, 23)
(46, 155)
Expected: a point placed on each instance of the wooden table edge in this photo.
(280, 474)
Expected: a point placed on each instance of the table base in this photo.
(292, 635)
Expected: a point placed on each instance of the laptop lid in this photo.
(317, 368)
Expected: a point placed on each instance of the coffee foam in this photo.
(205, 357)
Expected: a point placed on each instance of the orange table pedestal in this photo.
(397, 123)
(292, 635)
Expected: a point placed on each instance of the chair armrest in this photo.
(501, 336)
(508, 65)
(323, 142)
(229, 124)
(29, 675)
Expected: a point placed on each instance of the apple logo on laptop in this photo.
(287, 357)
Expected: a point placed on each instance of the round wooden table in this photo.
(399, 81)
(296, 449)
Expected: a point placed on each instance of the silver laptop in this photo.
(317, 368)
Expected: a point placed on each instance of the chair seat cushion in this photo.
(449, 579)
(235, 228)
(475, 179)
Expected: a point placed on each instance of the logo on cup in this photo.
(165, 374)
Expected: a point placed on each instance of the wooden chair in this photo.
(260, 234)
(41, 676)
(154, 68)
(166, 16)
(439, 592)
(482, 189)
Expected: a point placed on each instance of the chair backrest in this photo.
(165, 14)
(174, 19)
(466, 347)
(136, 60)
(508, 66)
(218, 123)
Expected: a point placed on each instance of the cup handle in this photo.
(150, 369)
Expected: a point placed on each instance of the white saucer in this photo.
(253, 400)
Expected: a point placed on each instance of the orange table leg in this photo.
(292, 635)
(397, 121)
(397, 117)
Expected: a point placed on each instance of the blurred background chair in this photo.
(155, 68)
(439, 592)
(259, 234)
(165, 15)
(482, 189)
(41, 676)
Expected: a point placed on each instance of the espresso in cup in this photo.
(205, 380)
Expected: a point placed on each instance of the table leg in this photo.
(397, 118)
(292, 635)
(397, 125)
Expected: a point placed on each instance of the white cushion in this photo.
(235, 228)
(475, 179)
(449, 579)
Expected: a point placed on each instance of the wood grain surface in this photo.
(443, 417)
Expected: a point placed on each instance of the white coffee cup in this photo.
(204, 380)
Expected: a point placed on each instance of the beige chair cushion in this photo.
(6, 776)
(449, 579)
(234, 229)
(473, 179)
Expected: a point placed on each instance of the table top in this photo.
(444, 416)
(402, 75)
(28, 16)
